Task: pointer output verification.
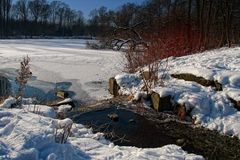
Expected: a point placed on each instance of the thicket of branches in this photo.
(176, 28)
(186, 26)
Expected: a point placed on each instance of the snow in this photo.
(58, 124)
(28, 106)
(219, 64)
(26, 101)
(41, 110)
(61, 63)
(211, 109)
(64, 108)
(28, 136)
(128, 82)
(233, 93)
(67, 100)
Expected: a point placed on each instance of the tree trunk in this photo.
(189, 27)
(228, 22)
(206, 35)
(201, 24)
(1, 20)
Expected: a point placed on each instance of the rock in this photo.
(161, 103)
(61, 115)
(113, 87)
(181, 142)
(130, 98)
(180, 111)
(113, 117)
(236, 104)
(62, 94)
(218, 86)
(200, 80)
(132, 121)
(148, 75)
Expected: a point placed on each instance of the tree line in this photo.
(180, 27)
(39, 18)
(191, 24)
(176, 28)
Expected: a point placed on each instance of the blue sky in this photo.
(87, 5)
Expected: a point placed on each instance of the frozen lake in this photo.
(66, 62)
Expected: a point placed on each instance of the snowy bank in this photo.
(208, 107)
(29, 136)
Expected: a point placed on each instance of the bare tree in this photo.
(22, 11)
(36, 8)
(54, 5)
(5, 6)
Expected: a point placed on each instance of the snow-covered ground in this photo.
(29, 136)
(209, 108)
(63, 61)
(29, 133)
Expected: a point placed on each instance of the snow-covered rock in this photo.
(67, 100)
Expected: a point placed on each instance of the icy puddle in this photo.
(131, 129)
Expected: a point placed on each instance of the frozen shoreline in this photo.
(62, 60)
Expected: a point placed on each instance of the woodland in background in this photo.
(189, 24)
(170, 27)
(175, 28)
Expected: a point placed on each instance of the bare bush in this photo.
(139, 52)
(23, 76)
